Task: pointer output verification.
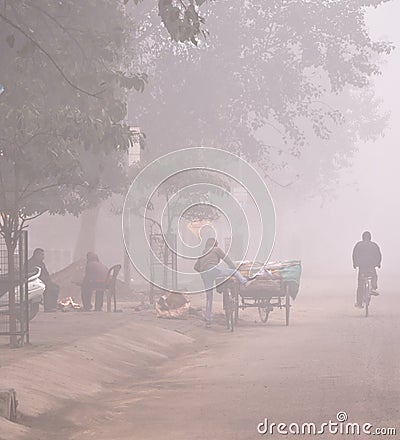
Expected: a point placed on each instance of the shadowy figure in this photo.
(366, 257)
(50, 295)
(95, 278)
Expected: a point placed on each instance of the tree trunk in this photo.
(86, 240)
(11, 245)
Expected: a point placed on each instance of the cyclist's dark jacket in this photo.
(366, 255)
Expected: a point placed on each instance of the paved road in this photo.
(330, 359)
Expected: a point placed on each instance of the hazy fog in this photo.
(320, 234)
(368, 195)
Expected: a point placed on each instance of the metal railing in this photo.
(162, 258)
(14, 312)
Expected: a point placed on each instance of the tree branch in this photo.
(60, 25)
(28, 219)
(3, 187)
(43, 188)
(277, 183)
(47, 54)
(152, 221)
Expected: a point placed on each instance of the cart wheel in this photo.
(264, 313)
(236, 297)
(264, 308)
(287, 304)
(225, 302)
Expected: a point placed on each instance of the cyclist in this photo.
(366, 257)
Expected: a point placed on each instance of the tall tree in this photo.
(291, 69)
(66, 68)
(66, 73)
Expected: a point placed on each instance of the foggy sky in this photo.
(366, 197)
(368, 194)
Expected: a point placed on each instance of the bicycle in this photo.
(367, 288)
(230, 305)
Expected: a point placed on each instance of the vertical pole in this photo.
(24, 266)
(21, 296)
(127, 262)
(175, 265)
(152, 275)
(165, 260)
(11, 291)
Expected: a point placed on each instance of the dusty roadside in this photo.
(129, 375)
(75, 355)
(330, 359)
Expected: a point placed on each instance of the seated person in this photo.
(50, 295)
(95, 278)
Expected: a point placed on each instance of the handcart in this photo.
(275, 286)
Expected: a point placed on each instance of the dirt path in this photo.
(330, 359)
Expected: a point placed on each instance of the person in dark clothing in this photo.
(95, 278)
(366, 257)
(50, 295)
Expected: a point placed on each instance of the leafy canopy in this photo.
(66, 73)
(278, 67)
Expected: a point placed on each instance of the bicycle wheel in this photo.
(367, 297)
(229, 309)
(231, 317)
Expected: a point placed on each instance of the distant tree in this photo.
(288, 68)
(317, 170)
(196, 196)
